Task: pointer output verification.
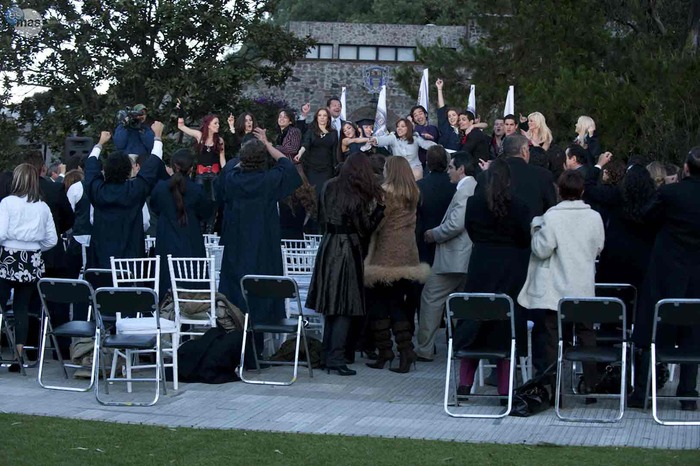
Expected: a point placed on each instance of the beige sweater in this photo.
(565, 243)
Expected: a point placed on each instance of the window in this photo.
(347, 52)
(321, 51)
(368, 53)
(405, 54)
(387, 53)
(376, 53)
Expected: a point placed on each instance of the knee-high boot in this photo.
(382, 339)
(404, 343)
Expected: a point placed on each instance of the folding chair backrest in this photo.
(128, 302)
(67, 291)
(149, 244)
(193, 277)
(217, 252)
(299, 261)
(298, 243)
(315, 240)
(142, 272)
(479, 307)
(98, 278)
(681, 312)
(593, 311)
(624, 291)
(269, 286)
(211, 239)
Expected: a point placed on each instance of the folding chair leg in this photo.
(308, 356)
(175, 339)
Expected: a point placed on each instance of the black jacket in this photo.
(63, 216)
(476, 144)
(436, 192)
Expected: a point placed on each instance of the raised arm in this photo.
(441, 99)
(189, 131)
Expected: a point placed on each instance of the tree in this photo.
(622, 62)
(143, 51)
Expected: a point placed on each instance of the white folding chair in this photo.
(299, 264)
(217, 252)
(212, 240)
(297, 243)
(149, 243)
(142, 272)
(315, 240)
(193, 284)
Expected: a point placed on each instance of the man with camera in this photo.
(133, 135)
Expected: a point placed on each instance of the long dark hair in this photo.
(314, 124)
(239, 124)
(205, 134)
(498, 188)
(637, 189)
(357, 185)
(181, 163)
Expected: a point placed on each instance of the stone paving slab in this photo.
(375, 403)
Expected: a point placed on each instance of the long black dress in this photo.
(173, 238)
(319, 159)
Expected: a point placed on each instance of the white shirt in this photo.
(27, 226)
(335, 123)
(462, 181)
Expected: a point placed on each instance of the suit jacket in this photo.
(454, 247)
(533, 185)
(436, 193)
(477, 144)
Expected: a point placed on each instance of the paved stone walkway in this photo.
(375, 403)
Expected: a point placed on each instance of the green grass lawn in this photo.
(33, 440)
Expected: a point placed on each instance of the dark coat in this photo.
(532, 185)
(251, 231)
(436, 192)
(674, 266)
(173, 238)
(477, 144)
(498, 264)
(336, 286)
(138, 140)
(118, 221)
(55, 197)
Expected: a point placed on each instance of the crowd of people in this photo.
(407, 218)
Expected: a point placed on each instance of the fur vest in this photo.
(393, 254)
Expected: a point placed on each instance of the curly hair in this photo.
(616, 170)
(254, 156)
(637, 189)
(117, 167)
(304, 195)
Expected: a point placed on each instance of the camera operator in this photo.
(133, 135)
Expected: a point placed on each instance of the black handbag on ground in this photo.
(532, 397)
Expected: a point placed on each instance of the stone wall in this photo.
(316, 80)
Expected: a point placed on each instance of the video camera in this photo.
(131, 117)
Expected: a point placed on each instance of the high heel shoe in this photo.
(380, 362)
(341, 370)
(405, 363)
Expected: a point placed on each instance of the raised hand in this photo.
(604, 158)
(104, 137)
(157, 128)
(439, 84)
(231, 120)
(259, 133)
(522, 118)
(305, 109)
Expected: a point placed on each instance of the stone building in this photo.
(360, 57)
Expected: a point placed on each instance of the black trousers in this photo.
(20, 306)
(389, 301)
(335, 334)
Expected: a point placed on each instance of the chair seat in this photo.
(144, 325)
(592, 354)
(125, 341)
(75, 328)
(677, 356)
(482, 353)
(271, 328)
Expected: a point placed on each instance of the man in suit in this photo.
(334, 108)
(474, 141)
(674, 272)
(577, 159)
(449, 272)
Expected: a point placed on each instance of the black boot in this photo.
(404, 343)
(382, 338)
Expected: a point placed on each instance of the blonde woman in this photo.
(538, 132)
(26, 229)
(392, 266)
(658, 173)
(587, 137)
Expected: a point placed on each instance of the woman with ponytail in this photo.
(181, 206)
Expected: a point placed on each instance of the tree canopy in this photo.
(96, 57)
(629, 64)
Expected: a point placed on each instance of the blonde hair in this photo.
(583, 124)
(658, 173)
(400, 181)
(543, 132)
(25, 182)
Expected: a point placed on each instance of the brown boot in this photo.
(382, 339)
(404, 343)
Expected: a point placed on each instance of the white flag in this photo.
(423, 91)
(342, 104)
(471, 103)
(380, 116)
(510, 102)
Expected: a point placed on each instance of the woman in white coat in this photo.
(565, 243)
(404, 143)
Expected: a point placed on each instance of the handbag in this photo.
(532, 397)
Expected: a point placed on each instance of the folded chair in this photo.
(193, 284)
(58, 290)
(679, 313)
(589, 312)
(480, 307)
(129, 302)
(274, 287)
